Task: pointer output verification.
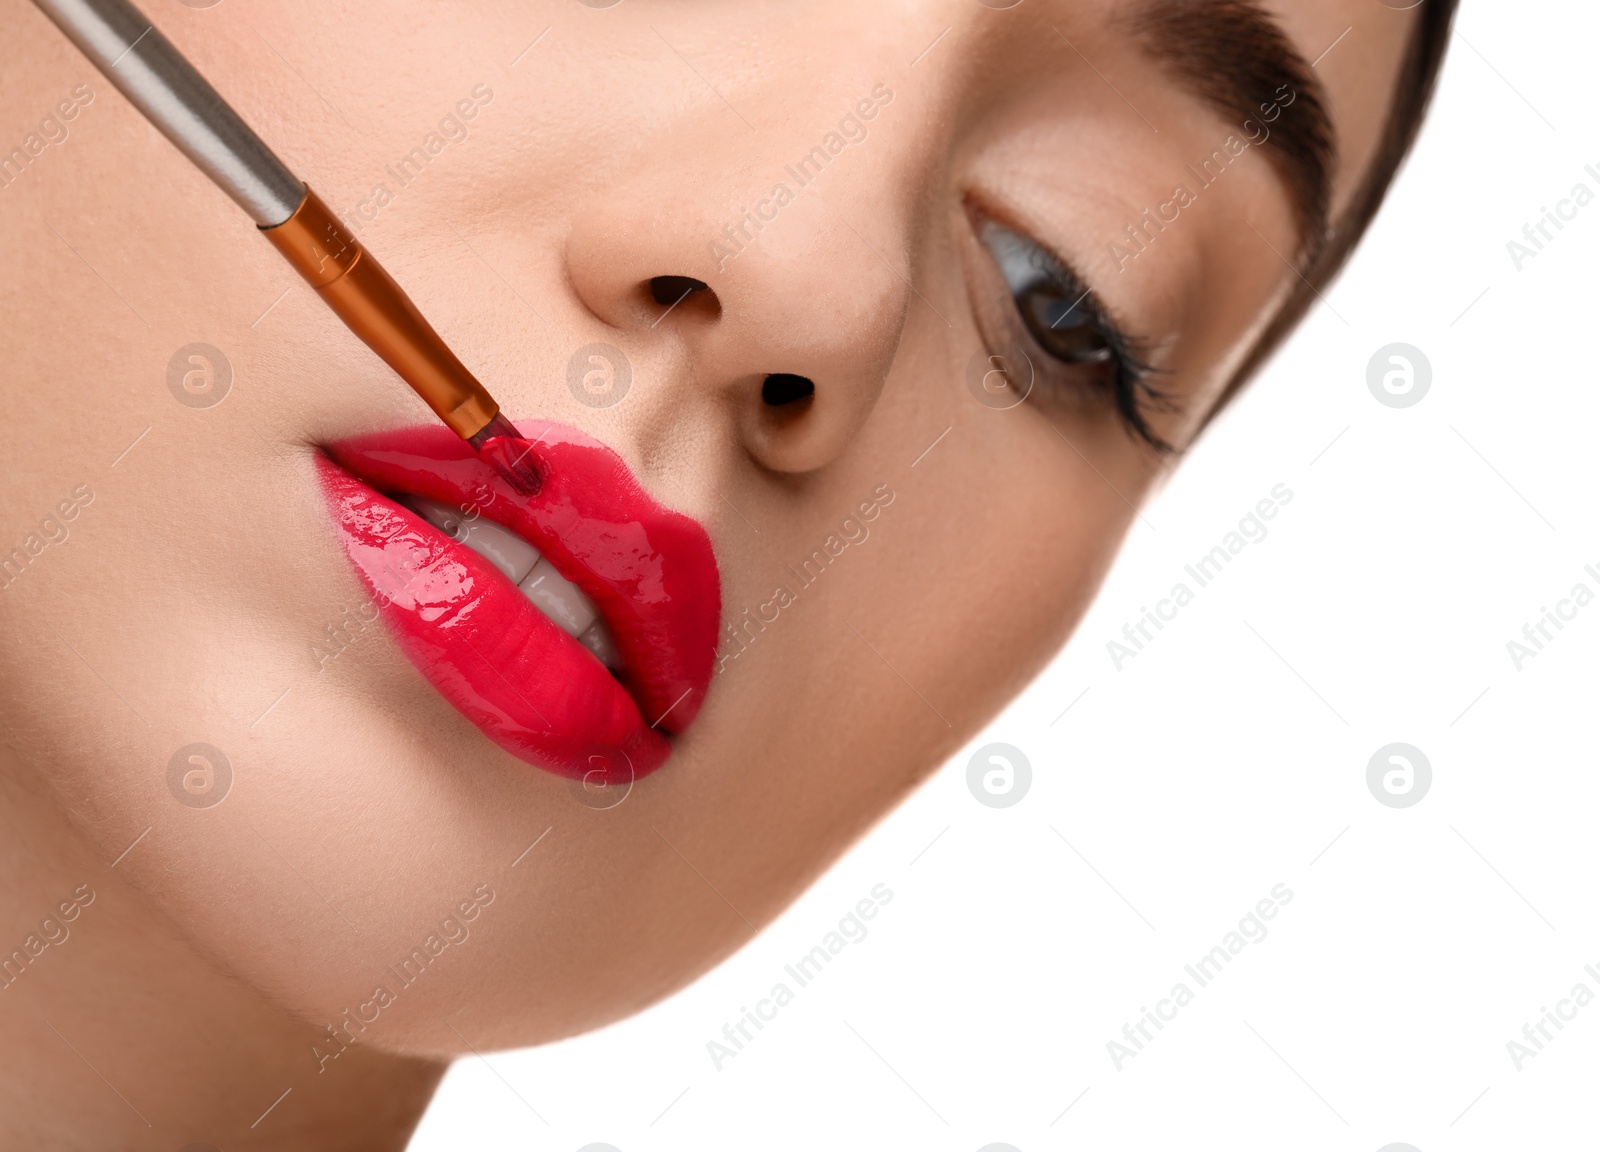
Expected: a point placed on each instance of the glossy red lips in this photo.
(530, 687)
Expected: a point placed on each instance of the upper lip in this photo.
(649, 570)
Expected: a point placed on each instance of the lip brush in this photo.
(142, 63)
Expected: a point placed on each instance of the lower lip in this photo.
(502, 663)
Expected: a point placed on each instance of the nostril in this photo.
(669, 290)
(785, 388)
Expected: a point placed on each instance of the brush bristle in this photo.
(503, 448)
(513, 458)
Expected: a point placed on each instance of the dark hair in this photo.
(1418, 76)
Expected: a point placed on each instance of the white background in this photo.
(1230, 755)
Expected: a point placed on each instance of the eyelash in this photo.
(1027, 266)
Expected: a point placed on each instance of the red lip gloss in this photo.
(479, 640)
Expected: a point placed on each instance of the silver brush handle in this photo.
(150, 72)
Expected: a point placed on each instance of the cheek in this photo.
(344, 768)
(1021, 553)
(969, 583)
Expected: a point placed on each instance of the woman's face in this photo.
(925, 209)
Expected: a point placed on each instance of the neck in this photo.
(116, 1032)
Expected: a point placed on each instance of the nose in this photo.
(786, 313)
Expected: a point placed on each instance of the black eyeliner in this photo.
(1026, 265)
(1131, 389)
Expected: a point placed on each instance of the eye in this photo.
(1063, 318)
(1052, 305)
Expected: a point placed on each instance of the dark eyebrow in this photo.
(1233, 55)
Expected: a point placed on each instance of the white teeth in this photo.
(442, 516)
(513, 555)
(597, 640)
(520, 562)
(555, 596)
(510, 553)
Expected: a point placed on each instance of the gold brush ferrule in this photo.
(376, 309)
